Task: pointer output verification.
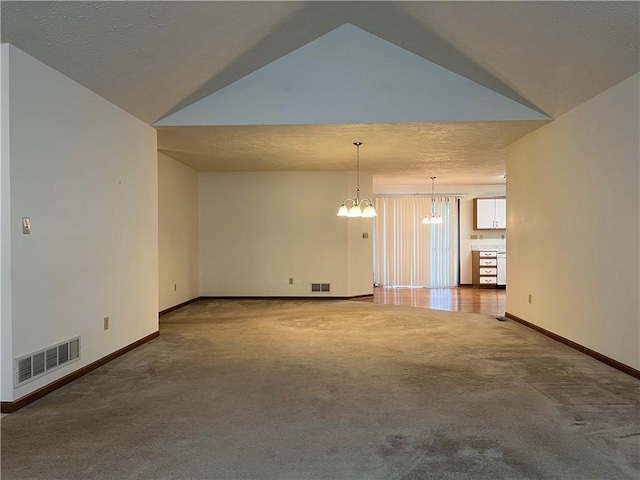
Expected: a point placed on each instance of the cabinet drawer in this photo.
(488, 262)
(487, 254)
(488, 280)
(488, 271)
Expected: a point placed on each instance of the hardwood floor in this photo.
(488, 301)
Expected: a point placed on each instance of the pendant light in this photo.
(433, 218)
(358, 208)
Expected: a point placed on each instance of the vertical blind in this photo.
(409, 253)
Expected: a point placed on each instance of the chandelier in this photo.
(432, 218)
(357, 207)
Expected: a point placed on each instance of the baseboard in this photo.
(286, 298)
(176, 307)
(9, 407)
(581, 348)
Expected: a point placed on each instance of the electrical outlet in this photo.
(530, 298)
(106, 323)
(365, 235)
(290, 281)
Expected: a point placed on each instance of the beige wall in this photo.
(574, 220)
(178, 233)
(85, 172)
(6, 334)
(259, 229)
(360, 250)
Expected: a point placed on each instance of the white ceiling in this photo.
(456, 152)
(154, 58)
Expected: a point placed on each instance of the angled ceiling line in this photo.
(293, 32)
(379, 19)
(349, 75)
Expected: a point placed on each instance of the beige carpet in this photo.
(248, 389)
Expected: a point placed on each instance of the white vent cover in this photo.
(320, 288)
(32, 366)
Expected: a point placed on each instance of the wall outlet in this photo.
(106, 323)
(530, 298)
(365, 235)
(290, 281)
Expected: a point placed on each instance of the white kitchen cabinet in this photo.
(490, 213)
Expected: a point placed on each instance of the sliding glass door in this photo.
(408, 253)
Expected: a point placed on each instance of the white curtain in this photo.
(410, 254)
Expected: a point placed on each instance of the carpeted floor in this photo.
(249, 389)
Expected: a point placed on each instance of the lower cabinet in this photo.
(485, 268)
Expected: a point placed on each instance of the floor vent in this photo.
(35, 365)
(320, 288)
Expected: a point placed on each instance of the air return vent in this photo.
(38, 363)
(35, 365)
(320, 288)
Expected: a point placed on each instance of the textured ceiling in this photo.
(145, 57)
(456, 152)
(557, 55)
(152, 58)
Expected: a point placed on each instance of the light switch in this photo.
(26, 225)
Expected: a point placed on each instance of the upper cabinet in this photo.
(490, 213)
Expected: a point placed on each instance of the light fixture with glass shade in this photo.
(356, 207)
(432, 218)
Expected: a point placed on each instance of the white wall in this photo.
(5, 232)
(259, 229)
(178, 232)
(85, 172)
(383, 83)
(573, 215)
(360, 250)
(483, 237)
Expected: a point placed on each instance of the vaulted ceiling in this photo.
(153, 59)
